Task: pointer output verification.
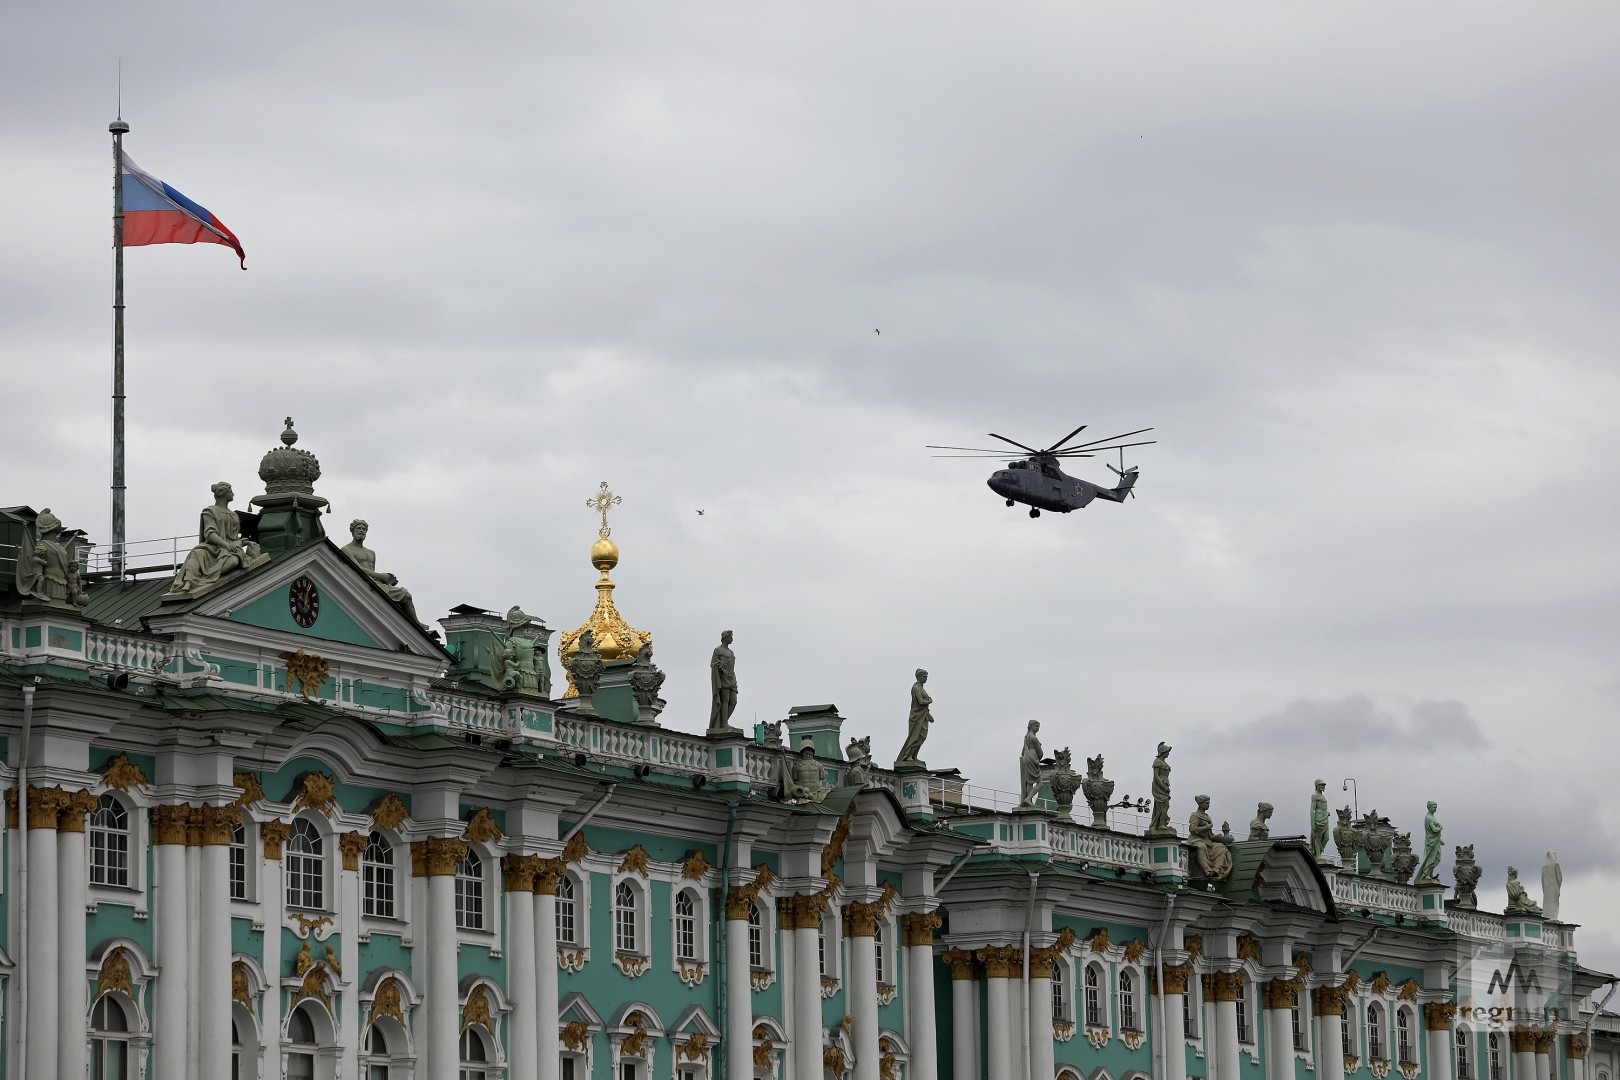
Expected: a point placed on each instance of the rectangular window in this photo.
(1244, 1034)
(628, 1071)
(469, 903)
(1060, 993)
(300, 1067)
(1345, 1039)
(567, 1068)
(304, 886)
(1187, 1017)
(238, 862)
(378, 883)
(1464, 1069)
(565, 912)
(1299, 1028)
(756, 941)
(109, 858)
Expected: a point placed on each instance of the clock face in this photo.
(304, 600)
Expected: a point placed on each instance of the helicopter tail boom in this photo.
(1117, 493)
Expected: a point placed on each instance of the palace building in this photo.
(263, 823)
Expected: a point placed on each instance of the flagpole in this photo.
(118, 128)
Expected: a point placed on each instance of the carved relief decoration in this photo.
(309, 926)
(122, 773)
(1133, 1039)
(481, 828)
(273, 834)
(1194, 944)
(695, 865)
(918, 928)
(476, 1011)
(352, 844)
(691, 973)
(635, 861)
(1134, 949)
(576, 1035)
(389, 1000)
(241, 986)
(1409, 990)
(833, 1058)
(571, 961)
(576, 849)
(1097, 1036)
(631, 964)
(306, 669)
(115, 973)
(1380, 982)
(1438, 1015)
(252, 789)
(695, 1048)
(389, 813)
(1248, 947)
(316, 791)
(1099, 939)
(862, 918)
(1062, 1030)
(761, 980)
(835, 846)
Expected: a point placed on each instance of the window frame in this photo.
(109, 800)
(1405, 1051)
(292, 856)
(636, 917)
(1494, 1057)
(101, 1037)
(1245, 1015)
(471, 895)
(370, 871)
(243, 854)
(1349, 1030)
(469, 1068)
(1095, 1004)
(1462, 1041)
(1375, 1032)
(1126, 981)
(1062, 991)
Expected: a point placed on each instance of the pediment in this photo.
(1289, 873)
(347, 607)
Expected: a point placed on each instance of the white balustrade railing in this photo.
(1387, 897)
(762, 765)
(1477, 924)
(471, 713)
(1097, 847)
(686, 753)
(124, 652)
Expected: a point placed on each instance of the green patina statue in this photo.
(366, 560)
(1431, 848)
(802, 777)
(1518, 901)
(1321, 821)
(220, 549)
(585, 667)
(1029, 766)
(48, 563)
(1159, 824)
(1260, 827)
(916, 724)
(723, 686)
(1214, 857)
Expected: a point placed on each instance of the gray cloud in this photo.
(1354, 725)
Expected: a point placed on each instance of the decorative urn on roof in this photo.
(615, 639)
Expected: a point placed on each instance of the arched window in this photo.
(1346, 1031)
(239, 861)
(567, 911)
(236, 1050)
(1465, 1067)
(306, 869)
(109, 1040)
(474, 1054)
(756, 937)
(1094, 1009)
(1245, 1032)
(877, 950)
(1375, 1032)
(685, 926)
(1403, 1036)
(626, 929)
(377, 1047)
(300, 1045)
(109, 843)
(1493, 1046)
(377, 877)
(1127, 1000)
(470, 892)
(1060, 991)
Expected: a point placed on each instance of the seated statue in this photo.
(1214, 857)
(48, 563)
(220, 548)
(366, 560)
(1518, 901)
(802, 777)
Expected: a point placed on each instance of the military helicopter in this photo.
(1038, 483)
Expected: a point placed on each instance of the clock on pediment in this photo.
(304, 601)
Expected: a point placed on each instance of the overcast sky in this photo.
(1357, 265)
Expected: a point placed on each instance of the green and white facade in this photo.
(383, 864)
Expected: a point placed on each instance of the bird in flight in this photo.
(700, 513)
(878, 332)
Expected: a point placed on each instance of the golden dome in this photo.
(615, 638)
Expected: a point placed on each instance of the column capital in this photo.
(1438, 1015)
(273, 834)
(963, 963)
(1222, 986)
(546, 874)
(1575, 1047)
(217, 823)
(1002, 961)
(1281, 993)
(1544, 1039)
(440, 856)
(170, 822)
(78, 807)
(1327, 1000)
(519, 871)
(803, 911)
(861, 918)
(1523, 1040)
(1176, 978)
(918, 928)
(740, 898)
(352, 845)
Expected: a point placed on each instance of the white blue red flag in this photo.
(155, 213)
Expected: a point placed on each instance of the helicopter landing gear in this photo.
(1034, 513)
(1009, 502)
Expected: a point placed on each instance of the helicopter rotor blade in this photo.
(1020, 445)
(1066, 438)
(1089, 450)
(1111, 438)
(974, 449)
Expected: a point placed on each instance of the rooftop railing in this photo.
(149, 556)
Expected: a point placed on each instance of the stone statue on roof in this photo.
(1065, 782)
(859, 754)
(366, 560)
(645, 682)
(1159, 823)
(1465, 871)
(1432, 847)
(1029, 766)
(1214, 857)
(1260, 827)
(722, 686)
(220, 550)
(1099, 790)
(1518, 901)
(585, 667)
(1552, 881)
(803, 776)
(916, 725)
(48, 563)
(1321, 821)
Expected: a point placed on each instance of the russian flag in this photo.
(155, 213)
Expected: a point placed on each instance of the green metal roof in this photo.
(125, 603)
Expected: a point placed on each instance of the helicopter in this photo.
(1040, 484)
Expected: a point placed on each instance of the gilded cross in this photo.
(603, 499)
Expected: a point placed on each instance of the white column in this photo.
(272, 901)
(918, 935)
(1279, 1015)
(964, 1014)
(352, 846)
(1577, 1065)
(1226, 1031)
(806, 1033)
(194, 953)
(1042, 1059)
(443, 854)
(739, 1040)
(548, 1048)
(520, 987)
(1524, 1055)
(1329, 1034)
(73, 998)
(213, 989)
(998, 1015)
(1543, 1063)
(171, 938)
(861, 989)
(1440, 1040)
(1172, 1031)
